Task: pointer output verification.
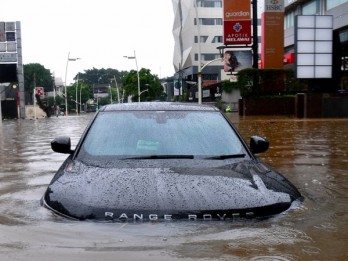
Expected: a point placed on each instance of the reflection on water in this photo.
(311, 153)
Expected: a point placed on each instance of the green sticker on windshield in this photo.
(147, 145)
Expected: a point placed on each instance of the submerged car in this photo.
(165, 161)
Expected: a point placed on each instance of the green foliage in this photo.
(94, 76)
(292, 84)
(256, 82)
(148, 82)
(37, 75)
(51, 101)
(82, 87)
(126, 83)
(130, 83)
(244, 83)
(103, 101)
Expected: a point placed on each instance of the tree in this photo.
(37, 75)
(85, 90)
(148, 82)
(94, 76)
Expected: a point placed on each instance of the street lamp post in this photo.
(110, 93)
(118, 92)
(136, 64)
(80, 98)
(77, 85)
(143, 92)
(200, 77)
(66, 70)
(199, 73)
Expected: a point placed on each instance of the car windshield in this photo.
(161, 133)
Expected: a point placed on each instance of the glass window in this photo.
(203, 39)
(160, 133)
(310, 8)
(289, 20)
(344, 36)
(210, 56)
(209, 3)
(217, 39)
(207, 56)
(334, 3)
(218, 21)
(209, 21)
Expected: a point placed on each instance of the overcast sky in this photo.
(99, 32)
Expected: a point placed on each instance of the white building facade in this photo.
(197, 30)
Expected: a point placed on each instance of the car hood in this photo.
(243, 189)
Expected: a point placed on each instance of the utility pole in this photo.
(255, 37)
(20, 72)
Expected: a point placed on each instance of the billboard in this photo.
(314, 46)
(237, 22)
(235, 61)
(272, 43)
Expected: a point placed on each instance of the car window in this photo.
(130, 133)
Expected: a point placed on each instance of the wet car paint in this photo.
(170, 189)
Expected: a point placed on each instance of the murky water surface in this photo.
(311, 153)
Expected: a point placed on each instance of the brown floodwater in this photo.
(311, 153)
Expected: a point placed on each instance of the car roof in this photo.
(158, 106)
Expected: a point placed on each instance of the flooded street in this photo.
(311, 153)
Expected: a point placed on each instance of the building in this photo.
(198, 29)
(59, 86)
(337, 8)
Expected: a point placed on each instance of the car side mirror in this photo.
(62, 144)
(258, 144)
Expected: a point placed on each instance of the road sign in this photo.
(40, 91)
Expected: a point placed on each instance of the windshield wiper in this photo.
(230, 156)
(161, 157)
